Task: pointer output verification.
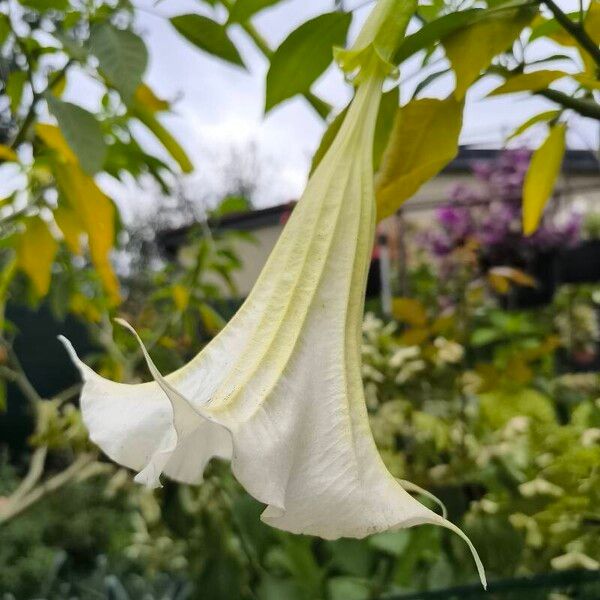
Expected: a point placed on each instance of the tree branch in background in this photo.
(322, 107)
(575, 29)
(37, 96)
(586, 108)
(11, 508)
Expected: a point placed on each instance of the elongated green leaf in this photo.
(541, 177)
(243, 10)
(82, 132)
(390, 102)
(429, 80)
(435, 31)
(208, 35)
(423, 141)
(122, 55)
(148, 118)
(472, 49)
(528, 82)
(44, 5)
(304, 56)
(14, 86)
(539, 118)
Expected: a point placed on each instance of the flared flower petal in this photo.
(279, 390)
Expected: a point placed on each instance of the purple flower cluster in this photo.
(489, 213)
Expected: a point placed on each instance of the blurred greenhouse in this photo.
(479, 343)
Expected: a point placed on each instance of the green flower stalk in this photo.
(279, 390)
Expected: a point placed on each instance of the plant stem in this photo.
(14, 509)
(586, 108)
(35, 472)
(576, 30)
(18, 377)
(37, 96)
(322, 107)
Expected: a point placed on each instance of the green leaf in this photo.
(541, 176)
(44, 5)
(423, 141)
(388, 109)
(231, 205)
(243, 10)
(393, 543)
(543, 116)
(82, 132)
(435, 31)
(499, 407)
(122, 55)
(428, 80)
(304, 55)
(349, 588)
(208, 35)
(171, 145)
(15, 84)
(473, 48)
(528, 82)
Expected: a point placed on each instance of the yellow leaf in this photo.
(172, 146)
(587, 82)
(471, 50)
(423, 141)
(81, 305)
(541, 177)
(145, 97)
(97, 215)
(540, 117)
(409, 310)
(513, 275)
(528, 82)
(415, 336)
(59, 87)
(53, 138)
(591, 23)
(181, 296)
(8, 154)
(500, 284)
(212, 320)
(35, 254)
(71, 227)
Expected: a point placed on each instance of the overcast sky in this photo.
(220, 106)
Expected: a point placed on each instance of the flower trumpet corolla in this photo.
(279, 390)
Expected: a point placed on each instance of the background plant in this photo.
(466, 399)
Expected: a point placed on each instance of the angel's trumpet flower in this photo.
(279, 390)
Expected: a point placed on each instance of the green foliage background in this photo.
(474, 405)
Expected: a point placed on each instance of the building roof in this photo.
(576, 162)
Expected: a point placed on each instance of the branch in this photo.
(586, 108)
(16, 374)
(36, 470)
(13, 509)
(322, 107)
(575, 30)
(37, 96)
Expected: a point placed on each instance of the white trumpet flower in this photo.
(279, 390)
